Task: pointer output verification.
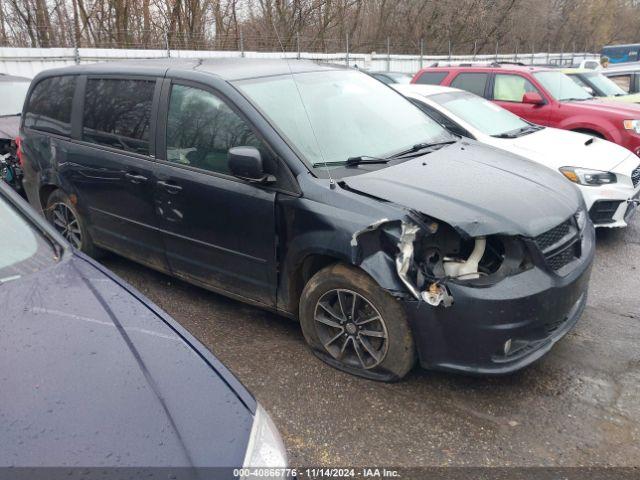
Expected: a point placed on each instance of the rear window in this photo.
(117, 113)
(471, 82)
(431, 78)
(49, 107)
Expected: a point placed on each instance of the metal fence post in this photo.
(166, 42)
(449, 50)
(548, 51)
(241, 44)
(515, 59)
(497, 43)
(76, 49)
(388, 55)
(421, 51)
(298, 43)
(346, 58)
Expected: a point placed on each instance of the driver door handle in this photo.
(135, 178)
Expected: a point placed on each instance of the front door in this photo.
(508, 90)
(219, 230)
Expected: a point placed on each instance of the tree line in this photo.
(397, 26)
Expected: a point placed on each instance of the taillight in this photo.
(19, 150)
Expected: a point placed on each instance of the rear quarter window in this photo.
(49, 105)
(432, 78)
(471, 82)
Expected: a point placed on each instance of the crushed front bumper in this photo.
(533, 309)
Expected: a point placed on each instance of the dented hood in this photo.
(476, 188)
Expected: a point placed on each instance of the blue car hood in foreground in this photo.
(476, 188)
(91, 375)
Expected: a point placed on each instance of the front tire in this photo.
(353, 324)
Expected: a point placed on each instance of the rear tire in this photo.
(371, 339)
(64, 217)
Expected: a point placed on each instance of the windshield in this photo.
(339, 114)
(605, 85)
(561, 87)
(23, 250)
(486, 116)
(12, 95)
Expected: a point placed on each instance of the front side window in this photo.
(471, 82)
(12, 94)
(201, 128)
(49, 107)
(117, 113)
(482, 114)
(330, 116)
(23, 249)
(561, 87)
(511, 88)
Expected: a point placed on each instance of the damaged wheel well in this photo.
(311, 265)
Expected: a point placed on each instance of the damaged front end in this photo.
(429, 255)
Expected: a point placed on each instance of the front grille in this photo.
(635, 176)
(553, 236)
(602, 211)
(560, 245)
(562, 258)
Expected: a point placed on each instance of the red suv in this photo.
(544, 96)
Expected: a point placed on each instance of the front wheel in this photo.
(353, 324)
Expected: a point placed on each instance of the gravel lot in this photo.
(580, 405)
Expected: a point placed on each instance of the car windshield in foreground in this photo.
(23, 249)
(331, 116)
(12, 95)
(604, 84)
(561, 87)
(486, 116)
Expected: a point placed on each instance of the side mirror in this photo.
(246, 163)
(532, 98)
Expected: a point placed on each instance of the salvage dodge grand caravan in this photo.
(320, 193)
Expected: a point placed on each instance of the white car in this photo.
(607, 174)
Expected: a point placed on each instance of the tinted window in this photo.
(49, 106)
(471, 82)
(511, 88)
(201, 129)
(117, 113)
(432, 78)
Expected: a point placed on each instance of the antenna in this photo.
(332, 183)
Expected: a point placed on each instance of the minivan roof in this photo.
(225, 68)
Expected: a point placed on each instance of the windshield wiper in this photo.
(419, 147)
(519, 132)
(352, 161)
(11, 114)
(576, 99)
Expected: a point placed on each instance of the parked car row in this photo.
(438, 229)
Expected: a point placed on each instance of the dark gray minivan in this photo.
(319, 193)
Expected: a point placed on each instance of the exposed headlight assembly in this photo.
(586, 176)
(265, 448)
(632, 125)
